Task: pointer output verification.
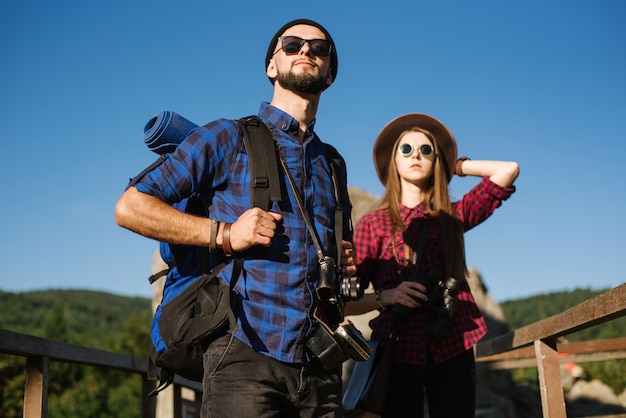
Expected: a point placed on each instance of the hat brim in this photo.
(390, 133)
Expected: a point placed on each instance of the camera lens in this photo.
(352, 288)
(452, 284)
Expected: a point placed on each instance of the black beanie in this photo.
(274, 41)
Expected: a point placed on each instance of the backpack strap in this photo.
(156, 276)
(261, 149)
(155, 164)
(264, 182)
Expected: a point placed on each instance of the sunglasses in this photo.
(293, 45)
(425, 150)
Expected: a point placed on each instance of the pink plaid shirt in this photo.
(378, 262)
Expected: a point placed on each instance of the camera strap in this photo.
(335, 314)
(417, 258)
(336, 343)
(417, 254)
(300, 201)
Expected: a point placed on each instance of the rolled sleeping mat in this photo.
(165, 131)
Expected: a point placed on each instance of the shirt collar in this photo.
(282, 120)
(418, 211)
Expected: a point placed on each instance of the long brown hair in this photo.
(436, 202)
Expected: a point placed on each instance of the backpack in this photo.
(197, 312)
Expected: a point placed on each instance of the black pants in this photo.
(239, 382)
(449, 387)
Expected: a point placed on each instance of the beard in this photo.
(301, 83)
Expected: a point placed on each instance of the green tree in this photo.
(55, 326)
(12, 386)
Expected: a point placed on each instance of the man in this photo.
(265, 369)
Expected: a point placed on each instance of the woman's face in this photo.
(413, 165)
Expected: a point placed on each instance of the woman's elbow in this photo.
(510, 173)
(513, 170)
(506, 173)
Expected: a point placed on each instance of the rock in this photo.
(362, 202)
(593, 390)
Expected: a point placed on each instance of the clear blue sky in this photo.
(539, 82)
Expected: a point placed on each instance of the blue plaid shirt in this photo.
(276, 289)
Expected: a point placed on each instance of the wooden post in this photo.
(552, 397)
(36, 387)
(148, 403)
(165, 398)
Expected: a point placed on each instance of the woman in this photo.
(437, 320)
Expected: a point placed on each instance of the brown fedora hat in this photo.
(390, 133)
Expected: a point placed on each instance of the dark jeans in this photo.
(239, 382)
(450, 389)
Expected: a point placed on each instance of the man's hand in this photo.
(254, 227)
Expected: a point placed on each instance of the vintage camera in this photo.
(331, 341)
(441, 300)
(333, 347)
(335, 288)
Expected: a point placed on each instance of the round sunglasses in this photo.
(293, 45)
(425, 150)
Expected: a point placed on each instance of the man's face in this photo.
(301, 71)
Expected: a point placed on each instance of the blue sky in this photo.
(541, 83)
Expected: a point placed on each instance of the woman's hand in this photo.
(407, 293)
(347, 258)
